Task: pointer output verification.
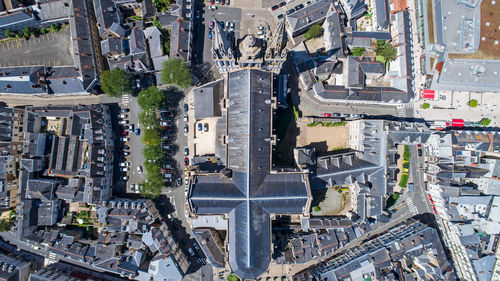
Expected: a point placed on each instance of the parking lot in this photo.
(52, 49)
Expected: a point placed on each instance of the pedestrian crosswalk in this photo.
(412, 207)
(125, 99)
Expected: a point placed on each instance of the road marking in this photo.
(412, 207)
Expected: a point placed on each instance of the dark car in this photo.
(275, 7)
(126, 147)
(185, 107)
(123, 110)
(186, 161)
(137, 131)
(290, 11)
(298, 7)
(282, 4)
(420, 152)
(210, 34)
(186, 151)
(280, 16)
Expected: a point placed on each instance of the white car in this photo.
(125, 178)
(125, 169)
(123, 116)
(123, 122)
(124, 164)
(191, 252)
(212, 7)
(139, 169)
(132, 187)
(125, 139)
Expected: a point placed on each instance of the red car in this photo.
(327, 114)
(186, 161)
(212, 2)
(124, 133)
(275, 7)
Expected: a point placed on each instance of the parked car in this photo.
(298, 7)
(124, 164)
(191, 252)
(167, 175)
(186, 128)
(261, 27)
(124, 133)
(212, 24)
(126, 153)
(125, 169)
(275, 7)
(139, 169)
(186, 118)
(205, 127)
(165, 123)
(124, 110)
(290, 11)
(167, 147)
(186, 180)
(281, 4)
(280, 16)
(123, 116)
(124, 139)
(327, 114)
(210, 34)
(185, 107)
(132, 187)
(200, 126)
(212, 7)
(186, 151)
(123, 122)
(178, 182)
(126, 147)
(137, 131)
(168, 180)
(131, 128)
(186, 161)
(125, 178)
(231, 26)
(167, 166)
(420, 152)
(195, 246)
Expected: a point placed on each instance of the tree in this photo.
(473, 103)
(148, 118)
(316, 209)
(426, 105)
(153, 152)
(151, 98)
(233, 277)
(116, 82)
(485, 122)
(152, 136)
(151, 188)
(385, 50)
(175, 71)
(395, 196)
(314, 31)
(5, 225)
(357, 52)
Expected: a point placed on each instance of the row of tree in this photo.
(117, 82)
(27, 32)
(149, 101)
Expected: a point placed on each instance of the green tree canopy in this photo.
(152, 136)
(9, 33)
(485, 122)
(314, 31)
(116, 82)
(153, 152)
(233, 277)
(473, 103)
(385, 50)
(395, 196)
(357, 52)
(55, 27)
(151, 99)
(148, 118)
(426, 106)
(152, 167)
(175, 71)
(151, 188)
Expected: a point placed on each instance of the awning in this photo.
(457, 122)
(429, 94)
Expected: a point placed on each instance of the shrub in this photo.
(485, 122)
(44, 30)
(426, 106)
(395, 196)
(357, 52)
(406, 154)
(233, 277)
(316, 209)
(406, 165)
(55, 27)
(403, 181)
(295, 113)
(9, 33)
(314, 31)
(473, 103)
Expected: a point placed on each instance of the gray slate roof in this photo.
(251, 192)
